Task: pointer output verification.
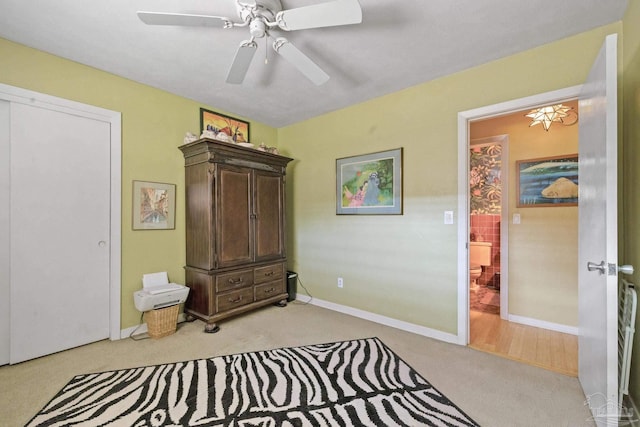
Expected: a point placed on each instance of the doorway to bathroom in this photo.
(487, 193)
(524, 312)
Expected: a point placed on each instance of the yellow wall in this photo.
(631, 160)
(153, 125)
(405, 267)
(543, 248)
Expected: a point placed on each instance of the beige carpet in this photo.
(493, 391)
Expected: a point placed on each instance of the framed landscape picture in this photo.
(370, 184)
(547, 181)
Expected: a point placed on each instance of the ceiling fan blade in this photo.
(160, 18)
(337, 12)
(241, 62)
(301, 61)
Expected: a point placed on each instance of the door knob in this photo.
(625, 269)
(591, 266)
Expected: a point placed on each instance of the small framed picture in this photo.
(154, 206)
(370, 184)
(235, 130)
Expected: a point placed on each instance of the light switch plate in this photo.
(448, 217)
(516, 218)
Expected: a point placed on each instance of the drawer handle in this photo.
(236, 282)
(269, 274)
(235, 301)
(270, 290)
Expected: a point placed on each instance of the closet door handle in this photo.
(592, 266)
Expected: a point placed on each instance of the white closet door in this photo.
(60, 187)
(5, 164)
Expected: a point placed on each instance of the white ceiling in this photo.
(399, 44)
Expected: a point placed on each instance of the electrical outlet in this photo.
(340, 282)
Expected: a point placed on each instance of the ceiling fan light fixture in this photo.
(258, 28)
(549, 114)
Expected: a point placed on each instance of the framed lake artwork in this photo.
(547, 181)
(154, 206)
(370, 184)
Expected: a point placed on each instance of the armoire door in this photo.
(269, 213)
(234, 231)
(60, 231)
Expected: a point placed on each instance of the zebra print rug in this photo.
(352, 383)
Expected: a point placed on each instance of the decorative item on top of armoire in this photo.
(189, 137)
(235, 230)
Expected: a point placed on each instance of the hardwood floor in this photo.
(539, 347)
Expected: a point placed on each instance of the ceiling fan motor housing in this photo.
(258, 28)
(258, 10)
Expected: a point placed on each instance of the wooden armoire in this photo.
(235, 230)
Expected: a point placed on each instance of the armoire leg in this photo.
(211, 328)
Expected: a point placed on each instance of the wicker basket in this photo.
(162, 322)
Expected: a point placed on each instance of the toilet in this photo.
(479, 256)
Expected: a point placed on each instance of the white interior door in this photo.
(60, 231)
(598, 237)
(5, 191)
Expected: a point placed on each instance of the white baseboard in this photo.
(565, 329)
(384, 320)
(142, 328)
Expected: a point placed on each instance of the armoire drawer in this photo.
(268, 273)
(267, 290)
(234, 299)
(234, 280)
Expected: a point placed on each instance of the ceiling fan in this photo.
(261, 16)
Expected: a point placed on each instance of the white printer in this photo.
(157, 292)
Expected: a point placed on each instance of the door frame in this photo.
(114, 118)
(464, 119)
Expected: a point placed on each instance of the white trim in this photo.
(384, 320)
(463, 229)
(529, 321)
(464, 118)
(114, 118)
